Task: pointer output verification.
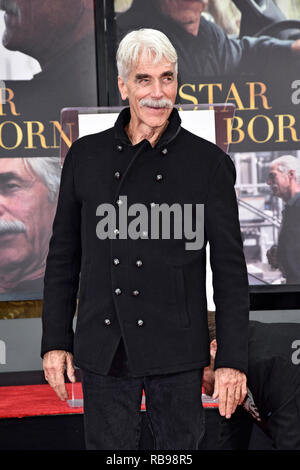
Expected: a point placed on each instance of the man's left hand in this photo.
(230, 388)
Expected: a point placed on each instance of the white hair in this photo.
(285, 163)
(49, 171)
(146, 42)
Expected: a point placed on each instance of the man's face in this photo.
(185, 12)
(279, 182)
(23, 201)
(148, 81)
(30, 21)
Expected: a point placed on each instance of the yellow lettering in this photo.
(235, 97)
(8, 100)
(185, 96)
(18, 133)
(289, 126)
(38, 133)
(253, 94)
(210, 90)
(251, 128)
(57, 126)
(237, 128)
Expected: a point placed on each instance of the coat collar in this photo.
(169, 134)
(293, 199)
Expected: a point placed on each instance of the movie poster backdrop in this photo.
(47, 63)
(247, 53)
(241, 52)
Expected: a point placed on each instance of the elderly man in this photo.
(142, 313)
(28, 197)
(284, 180)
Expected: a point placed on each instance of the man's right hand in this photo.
(54, 364)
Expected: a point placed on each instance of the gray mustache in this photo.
(9, 226)
(9, 6)
(163, 103)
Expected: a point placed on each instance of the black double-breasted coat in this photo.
(152, 292)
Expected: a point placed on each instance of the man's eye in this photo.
(9, 186)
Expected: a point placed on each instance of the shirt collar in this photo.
(169, 134)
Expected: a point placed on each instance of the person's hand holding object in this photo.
(54, 364)
(230, 388)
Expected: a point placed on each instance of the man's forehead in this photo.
(15, 166)
(11, 164)
(149, 66)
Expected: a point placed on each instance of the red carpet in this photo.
(40, 400)
(35, 400)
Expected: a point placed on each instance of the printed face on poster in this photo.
(47, 62)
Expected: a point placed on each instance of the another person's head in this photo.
(186, 12)
(147, 75)
(34, 25)
(284, 176)
(28, 198)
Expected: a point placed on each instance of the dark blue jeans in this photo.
(112, 404)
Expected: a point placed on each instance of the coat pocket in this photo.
(184, 318)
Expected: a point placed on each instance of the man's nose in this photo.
(269, 180)
(156, 91)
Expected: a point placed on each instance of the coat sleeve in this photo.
(63, 264)
(229, 271)
(249, 53)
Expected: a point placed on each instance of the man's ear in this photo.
(291, 174)
(204, 4)
(213, 348)
(122, 88)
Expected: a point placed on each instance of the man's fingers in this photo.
(243, 391)
(61, 391)
(222, 399)
(230, 402)
(238, 394)
(70, 368)
(57, 382)
(216, 388)
(230, 388)
(54, 366)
